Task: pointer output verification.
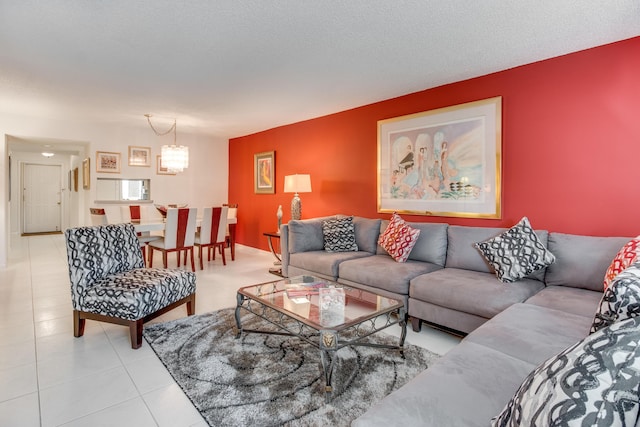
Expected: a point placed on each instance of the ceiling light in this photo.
(47, 154)
(173, 157)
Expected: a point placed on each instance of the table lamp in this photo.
(298, 183)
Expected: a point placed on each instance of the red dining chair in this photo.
(212, 233)
(179, 235)
(229, 241)
(132, 213)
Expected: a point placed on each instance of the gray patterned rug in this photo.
(269, 380)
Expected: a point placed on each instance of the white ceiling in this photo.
(233, 67)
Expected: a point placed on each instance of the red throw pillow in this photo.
(399, 238)
(625, 257)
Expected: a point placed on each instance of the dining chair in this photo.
(109, 283)
(179, 235)
(212, 233)
(132, 213)
(229, 243)
(98, 216)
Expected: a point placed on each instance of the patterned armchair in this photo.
(110, 284)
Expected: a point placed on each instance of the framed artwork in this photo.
(107, 162)
(443, 162)
(86, 173)
(139, 156)
(264, 172)
(161, 170)
(75, 180)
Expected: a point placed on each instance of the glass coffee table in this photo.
(325, 314)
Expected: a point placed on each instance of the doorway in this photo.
(42, 198)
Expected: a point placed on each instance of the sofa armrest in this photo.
(284, 249)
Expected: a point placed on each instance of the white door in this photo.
(42, 198)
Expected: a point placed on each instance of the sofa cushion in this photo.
(621, 300)
(306, 235)
(471, 291)
(325, 263)
(516, 253)
(367, 232)
(431, 245)
(581, 261)
(582, 302)
(381, 271)
(593, 382)
(339, 235)
(627, 255)
(398, 239)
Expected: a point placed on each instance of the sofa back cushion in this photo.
(431, 245)
(461, 252)
(306, 234)
(367, 232)
(581, 261)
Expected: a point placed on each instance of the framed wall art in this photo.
(264, 172)
(86, 173)
(443, 162)
(107, 162)
(139, 156)
(161, 170)
(75, 180)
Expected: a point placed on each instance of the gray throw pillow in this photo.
(516, 253)
(592, 383)
(339, 235)
(621, 300)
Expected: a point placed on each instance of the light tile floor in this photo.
(50, 378)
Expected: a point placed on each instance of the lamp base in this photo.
(296, 207)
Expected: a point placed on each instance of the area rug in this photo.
(272, 380)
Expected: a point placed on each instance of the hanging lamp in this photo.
(175, 158)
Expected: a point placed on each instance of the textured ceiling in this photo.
(230, 68)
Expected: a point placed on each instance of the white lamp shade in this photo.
(175, 157)
(298, 183)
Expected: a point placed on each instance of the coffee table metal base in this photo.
(328, 341)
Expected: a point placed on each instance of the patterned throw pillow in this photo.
(516, 253)
(399, 238)
(621, 300)
(339, 235)
(625, 257)
(594, 382)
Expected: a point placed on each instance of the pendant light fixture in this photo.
(173, 157)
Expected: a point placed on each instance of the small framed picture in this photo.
(86, 173)
(160, 170)
(264, 172)
(139, 156)
(107, 162)
(75, 180)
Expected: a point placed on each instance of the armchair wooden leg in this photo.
(78, 324)
(150, 256)
(135, 331)
(191, 305)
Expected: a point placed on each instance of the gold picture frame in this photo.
(443, 162)
(264, 172)
(139, 156)
(107, 162)
(86, 174)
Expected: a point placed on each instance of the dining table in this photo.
(148, 225)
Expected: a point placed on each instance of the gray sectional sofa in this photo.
(511, 327)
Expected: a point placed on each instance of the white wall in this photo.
(205, 183)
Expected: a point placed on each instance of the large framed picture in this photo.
(443, 162)
(107, 162)
(139, 156)
(264, 172)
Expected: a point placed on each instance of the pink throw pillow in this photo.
(625, 257)
(399, 238)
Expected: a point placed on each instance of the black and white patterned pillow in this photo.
(621, 300)
(592, 383)
(339, 235)
(516, 253)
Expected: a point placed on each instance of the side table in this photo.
(277, 270)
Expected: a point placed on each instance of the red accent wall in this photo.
(570, 155)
